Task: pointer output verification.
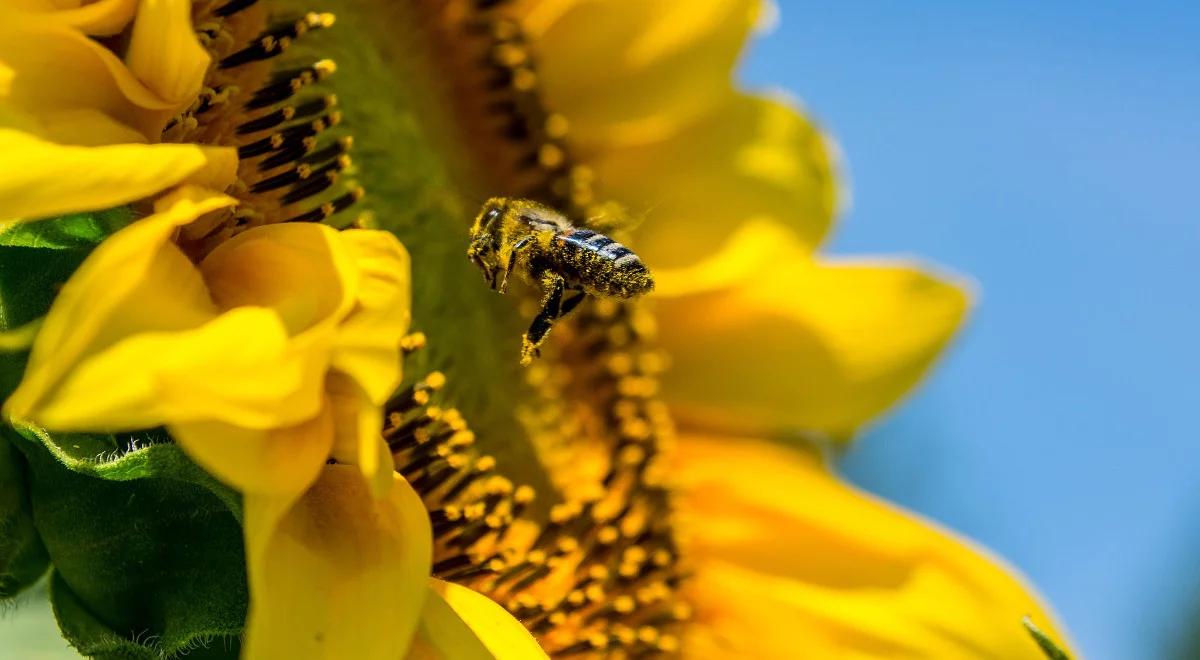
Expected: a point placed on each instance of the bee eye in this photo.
(490, 217)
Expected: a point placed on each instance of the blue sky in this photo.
(1051, 150)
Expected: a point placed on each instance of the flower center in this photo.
(291, 156)
(600, 573)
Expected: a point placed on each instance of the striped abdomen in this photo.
(601, 265)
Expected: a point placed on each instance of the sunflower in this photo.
(641, 489)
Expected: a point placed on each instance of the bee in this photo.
(567, 263)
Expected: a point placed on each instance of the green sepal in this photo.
(76, 230)
(36, 259)
(152, 562)
(96, 640)
(129, 456)
(23, 558)
(29, 280)
(1048, 646)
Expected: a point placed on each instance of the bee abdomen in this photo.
(602, 265)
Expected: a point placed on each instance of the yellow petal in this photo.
(631, 69)
(337, 574)
(133, 340)
(765, 340)
(358, 440)
(136, 282)
(60, 69)
(235, 367)
(788, 558)
(280, 461)
(84, 127)
(101, 18)
(749, 159)
(368, 342)
(301, 270)
(165, 54)
(460, 624)
(40, 179)
(6, 79)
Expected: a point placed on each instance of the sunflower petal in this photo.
(138, 300)
(461, 624)
(337, 573)
(59, 69)
(164, 53)
(787, 555)
(137, 281)
(40, 179)
(749, 159)
(670, 61)
(235, 367)
(357, 437)
(300, 270)
(276, 461)
(765, 340)
(367, 346)
(100, 18)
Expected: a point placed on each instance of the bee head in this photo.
(485, 236)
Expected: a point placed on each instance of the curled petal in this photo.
(748, 159)
(367, 345)
(40, 178)
(357, 437)
(765, 340)
(58, 69)
(336, 573)
(461, 624)
(302, 271)
(164, 53)
(134, 340)
(670, 61)
(277, 462)
(234, 367)
(100, 18)
(137, 281)
(786, 556)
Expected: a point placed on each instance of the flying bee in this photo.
(565, 262)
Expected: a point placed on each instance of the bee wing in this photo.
(609, 217)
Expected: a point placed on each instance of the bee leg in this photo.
(512, 261)
(553, 286)
(570, 304)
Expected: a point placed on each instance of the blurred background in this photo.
(1051, 150)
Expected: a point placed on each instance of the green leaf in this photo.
(22, 556)
(151, 562)
(77, 230)
(1048, 646)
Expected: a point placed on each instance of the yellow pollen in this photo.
(556, 127)
(524, 80)
(668, 643)
(598, 641)
(550, 156)
(435, 380)
(647, 635)
(524, 495)
(509, 55)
